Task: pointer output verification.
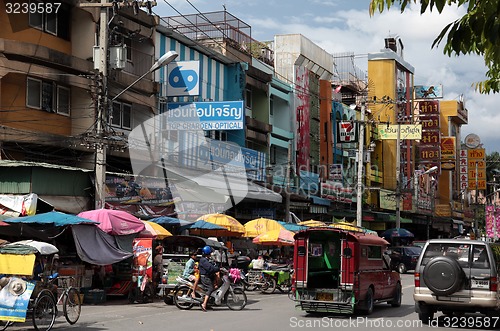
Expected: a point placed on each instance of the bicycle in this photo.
(45, 307)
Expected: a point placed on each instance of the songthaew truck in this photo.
(340, 271)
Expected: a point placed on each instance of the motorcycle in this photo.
(281, 276)
(142, 289)
(229, 293)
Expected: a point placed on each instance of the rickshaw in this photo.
(22, 296)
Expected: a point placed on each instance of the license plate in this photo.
(477, 283)
(325, 296)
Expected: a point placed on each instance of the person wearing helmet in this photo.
(207, 274)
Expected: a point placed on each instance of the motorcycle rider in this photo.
(207, 274)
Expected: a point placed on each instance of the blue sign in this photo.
(217, 115)
(183, 78)
(197, 154)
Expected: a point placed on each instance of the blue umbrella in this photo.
(53, 217)
(169, 221)
(292, 226)
(202, 225)
(397, 233)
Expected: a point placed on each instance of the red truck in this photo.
(339, 271)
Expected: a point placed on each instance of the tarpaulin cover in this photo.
(97, 247)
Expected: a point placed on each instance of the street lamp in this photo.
(100, 166)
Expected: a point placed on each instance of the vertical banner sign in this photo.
(302, 113)
(429, 148)
(463, 171)
(347, 132)
(476, 162)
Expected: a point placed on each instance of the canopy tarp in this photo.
(52, 217)
(95, 246)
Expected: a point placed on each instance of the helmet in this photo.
(206, 250)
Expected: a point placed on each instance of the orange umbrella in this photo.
(279, 237)
(154, 230)
(226, 221)
(261, 225)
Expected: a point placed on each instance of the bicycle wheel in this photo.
(182, 298)
(5, 324)
(72, 305)
(236, 299)
(44, 311)
(269, 285)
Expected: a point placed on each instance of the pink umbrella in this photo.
(114, 222)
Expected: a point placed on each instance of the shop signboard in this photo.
(214, 115)
(183, 78)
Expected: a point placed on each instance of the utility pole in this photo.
(359, 187)
(102, 106)
(398, 177)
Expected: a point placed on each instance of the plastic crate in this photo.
(94, 297)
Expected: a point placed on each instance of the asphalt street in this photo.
(263, 312)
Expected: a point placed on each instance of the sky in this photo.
(345, 26)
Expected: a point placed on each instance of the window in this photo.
(48, 96)
(271, 106)
(128, 43)
(248, 98)
(121, 115)
(63, 100)
(56, 23)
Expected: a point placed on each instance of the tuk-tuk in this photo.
(175, 256)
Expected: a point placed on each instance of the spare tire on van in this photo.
(443, 275)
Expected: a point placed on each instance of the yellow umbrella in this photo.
(280, 237)
(261, 225)
(154, 230)
(312, 223)
(346, 226)
(226, 221)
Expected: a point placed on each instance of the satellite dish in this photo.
(472, 140)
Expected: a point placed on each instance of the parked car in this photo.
(404, 258)
(457, 276)
(419, 243)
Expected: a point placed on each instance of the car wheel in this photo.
(369, 302)
(426, 317)
(425, 313)
(443, 275)
(402, 268)
(396, 301)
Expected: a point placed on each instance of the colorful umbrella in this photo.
(280, 237)
(346, 226)
(226, 221)
(114, 222)
(207, 229)
(397, 233)
(292, 226)
(154, 230)
(54, 217)
(169, 221)
(312, 223)
(259, 226)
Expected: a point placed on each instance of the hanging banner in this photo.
(347, 132)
